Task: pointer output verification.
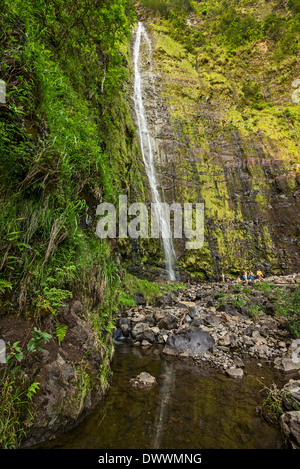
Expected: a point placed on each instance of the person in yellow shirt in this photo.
(259, 275)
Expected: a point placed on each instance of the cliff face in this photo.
(66, 143)
(226, 123)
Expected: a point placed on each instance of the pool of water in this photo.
(188, 407)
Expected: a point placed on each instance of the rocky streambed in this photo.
(213, 324)
(220, 325)
(199, 353)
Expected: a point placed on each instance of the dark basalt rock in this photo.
(140, 299)
(192, 342)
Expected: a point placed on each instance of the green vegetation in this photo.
(17, 391)
(288, 306)
(272, 407)
(38, 338)
(132, 285)
(239, 301)
(65, 71)
(233, 25)
(169, 7)
(255, 311)
(264, 286)
(67, 141)
(228, 70)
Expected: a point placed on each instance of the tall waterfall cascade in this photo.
(148, 152)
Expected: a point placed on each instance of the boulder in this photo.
(125, 329)
(235, 373)
(140, 299)
(270, 308)
(189, 341)
(186, 304)
(289, 365)
(227, 308)
(291, 395)
(226, 340)
(149, 335)
(247, 341)
(143, 380)
(213, 320)
(169, 321)
(194, 312)
(290, 427)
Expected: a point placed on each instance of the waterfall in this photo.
(147, 152)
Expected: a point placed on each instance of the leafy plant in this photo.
(288, 305)
(61, 331)
(38, 338)
(264, 286)
(239, 301)
(219, 294)
(4, 285)
(272, 405)
(31, 391)
(15, 396)
(14, 352)
(52, 299)
(12, 408)
(255, 311)
(294, 5)
(126, 301)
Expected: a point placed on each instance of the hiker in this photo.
(259, 275)
(223, 277)
(251, 274)
(245, 276)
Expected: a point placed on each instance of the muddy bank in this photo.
(69, 383)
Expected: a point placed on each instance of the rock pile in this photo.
(192, 323)
(290, 419)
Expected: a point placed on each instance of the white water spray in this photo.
(147, 151)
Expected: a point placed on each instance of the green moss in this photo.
(228, 106)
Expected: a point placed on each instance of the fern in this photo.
(61, 331)
(32, 390)
(5, 285)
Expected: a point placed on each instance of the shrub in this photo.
(294, 5)
(255, 311)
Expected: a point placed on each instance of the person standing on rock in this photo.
(223, 277)
(259, 275)
(251, 274)
(245, 276)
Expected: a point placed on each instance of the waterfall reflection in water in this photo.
(165, 393)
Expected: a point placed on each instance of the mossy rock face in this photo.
(228, 138)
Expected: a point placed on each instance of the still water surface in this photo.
(188, 407)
